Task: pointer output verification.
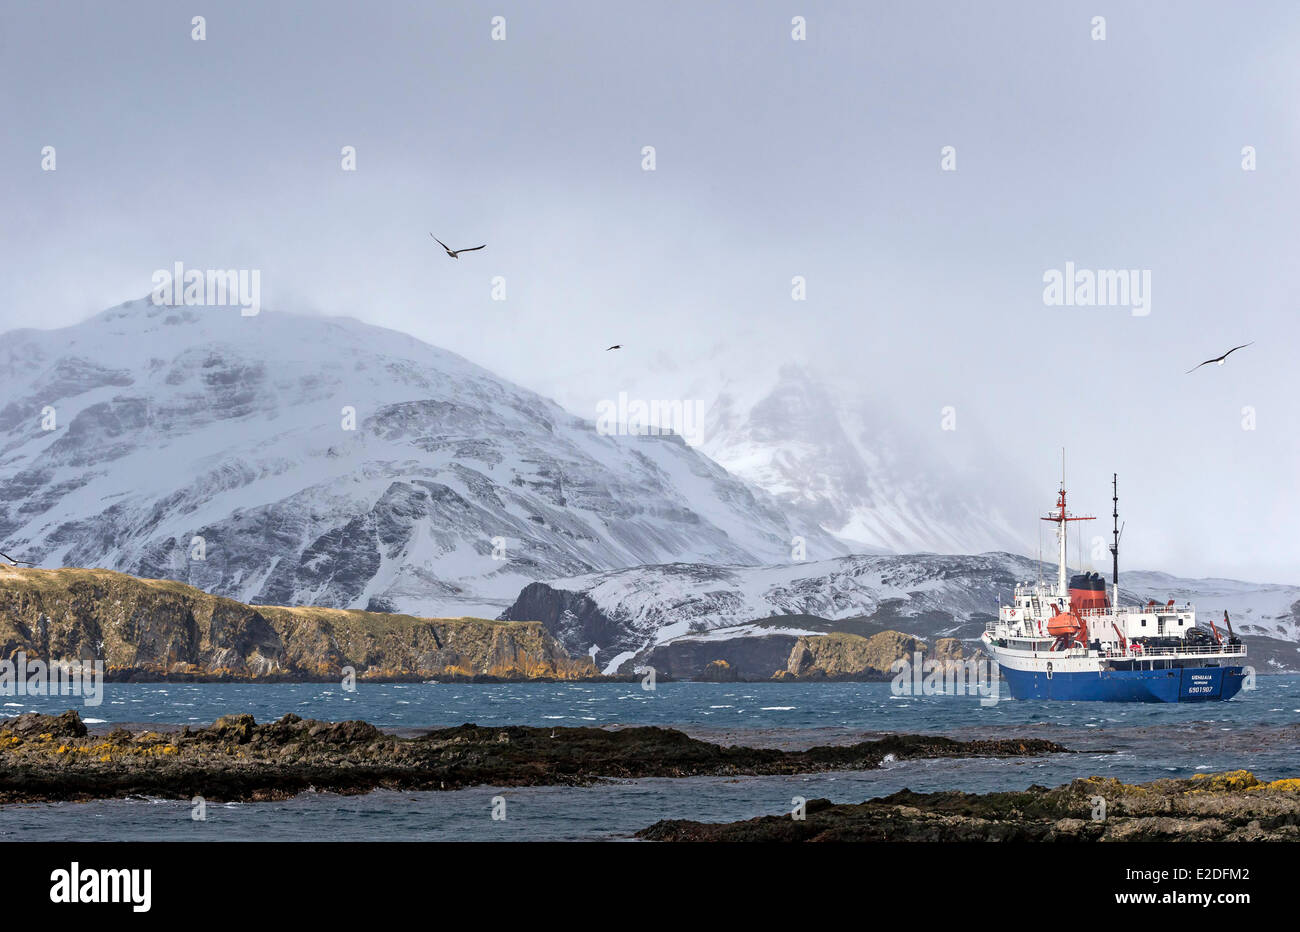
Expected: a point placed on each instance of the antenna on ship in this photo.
(1040, 556)
(1118, 530)
(1114, 548)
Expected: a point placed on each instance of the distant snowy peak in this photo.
(832, 458)
(295, 459)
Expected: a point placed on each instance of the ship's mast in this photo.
(1061, 537)
(1062, 518)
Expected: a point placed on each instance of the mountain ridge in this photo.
(289, 459)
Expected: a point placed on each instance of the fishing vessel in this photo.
(1073, 640)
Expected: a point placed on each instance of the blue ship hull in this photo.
(1186, 684)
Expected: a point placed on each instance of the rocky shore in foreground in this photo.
(47, 758)
(1231, 806)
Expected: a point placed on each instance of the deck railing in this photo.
(1198, 649)
(1187, 608)
(990, 626)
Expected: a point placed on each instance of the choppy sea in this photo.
(1259, 731)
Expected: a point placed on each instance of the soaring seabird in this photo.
(1218, 359)
(615, 346)
(12, 560)
(455, 253)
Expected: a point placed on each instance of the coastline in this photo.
(48, 758)
(1222, 807)
(58, 759)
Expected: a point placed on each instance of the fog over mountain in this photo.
(843, 460)
(775, 160)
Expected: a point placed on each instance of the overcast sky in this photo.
(775, 158)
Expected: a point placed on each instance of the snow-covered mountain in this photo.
(880, 477)
(329, 462)
(627, 612)
(835, 459)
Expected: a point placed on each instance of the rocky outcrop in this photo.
(719, 671)
(1231, 806)
(748, 658)
(146, 627)
(851, 656)
(53, 758)
(574, 619)
(33, 724)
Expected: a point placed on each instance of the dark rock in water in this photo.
(237, 759)
(1231, 806)
(66, 725)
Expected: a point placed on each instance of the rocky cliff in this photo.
(851, 656)
(154, 627)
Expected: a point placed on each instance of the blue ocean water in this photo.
(1135, 742)
(864, 706)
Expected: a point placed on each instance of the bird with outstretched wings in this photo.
(455, 253)
(1218, 359)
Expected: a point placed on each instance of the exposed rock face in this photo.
(573, 619)
(321, 641)
(1208, 807)
(747, 658)
(850, 656)
(153, 627)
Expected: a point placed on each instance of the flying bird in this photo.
(1218, 359)
(455, 253)
(12, 560)
(615, 346)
